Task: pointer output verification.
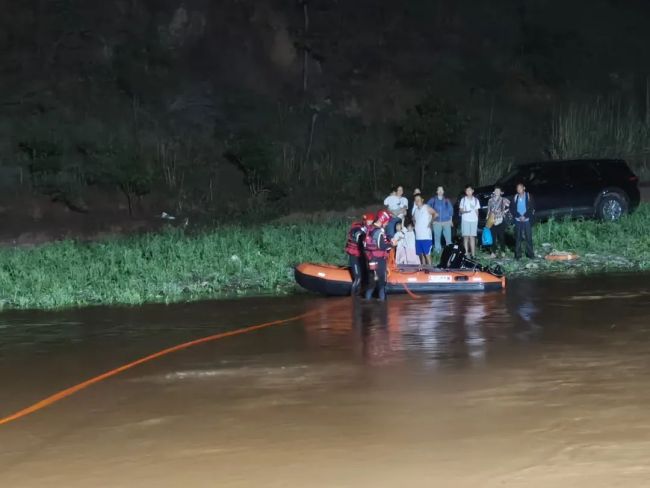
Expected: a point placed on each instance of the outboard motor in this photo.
(452, 257)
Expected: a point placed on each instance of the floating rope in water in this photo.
(60, 395)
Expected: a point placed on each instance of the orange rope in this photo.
(411, 294)
(60, 395)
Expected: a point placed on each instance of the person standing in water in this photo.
(377, 247)
(354, 250)
(468, 208)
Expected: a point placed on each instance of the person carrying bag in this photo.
(498, 207)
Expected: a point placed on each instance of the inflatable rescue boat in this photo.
(457, 275)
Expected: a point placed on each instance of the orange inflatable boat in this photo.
(337, 281)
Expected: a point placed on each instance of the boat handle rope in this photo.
(410, 293)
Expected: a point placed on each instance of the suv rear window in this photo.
(614, 169)
(584, 172)
(542, 175)
(536, 174)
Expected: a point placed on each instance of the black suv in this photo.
(601, 188)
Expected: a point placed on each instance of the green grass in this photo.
(602, 246)
(175, 266)
(164, 267)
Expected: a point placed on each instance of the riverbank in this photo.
(175, 265)
(601, 246)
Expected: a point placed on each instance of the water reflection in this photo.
(452, 328)
(466, 329)
(435, 330)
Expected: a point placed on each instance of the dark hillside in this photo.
(322, 102)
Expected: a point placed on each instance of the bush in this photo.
(430, 127)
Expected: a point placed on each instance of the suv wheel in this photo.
(612, 207)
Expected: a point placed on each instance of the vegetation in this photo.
(176, 266)
(488, 162)
(602, 129)
(602, 246)
(337, 101)
(430, 128)
(165, 267)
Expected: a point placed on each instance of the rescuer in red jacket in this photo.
(354, 250)
(377, 247)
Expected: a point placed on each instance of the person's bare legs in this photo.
(472, 245)
(427, 258)
(466, 244)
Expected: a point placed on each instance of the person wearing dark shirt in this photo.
(524, 210)
(443, 222)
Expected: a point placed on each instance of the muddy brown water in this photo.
(544, 385)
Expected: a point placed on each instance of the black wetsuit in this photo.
(377, 247)
(354, 249)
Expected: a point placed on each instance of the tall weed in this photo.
(602, 129)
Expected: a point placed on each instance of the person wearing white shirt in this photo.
(397, 205)
(404, 242)
(468, 208)
(423, 217)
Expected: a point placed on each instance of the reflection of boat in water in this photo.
(437, 329)
(336, 280)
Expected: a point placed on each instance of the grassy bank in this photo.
(175, 266)
(165, 267)
(602, 246)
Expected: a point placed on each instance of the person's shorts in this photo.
(468, 229)
(423, 246)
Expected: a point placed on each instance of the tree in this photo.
(253, 156)
(133, 178)
(430, 127)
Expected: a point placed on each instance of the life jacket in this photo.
(372, 242)
(356, 236)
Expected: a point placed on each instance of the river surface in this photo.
(545, 385)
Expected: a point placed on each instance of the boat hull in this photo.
(337, 281)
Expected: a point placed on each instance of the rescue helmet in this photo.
(383, 218)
